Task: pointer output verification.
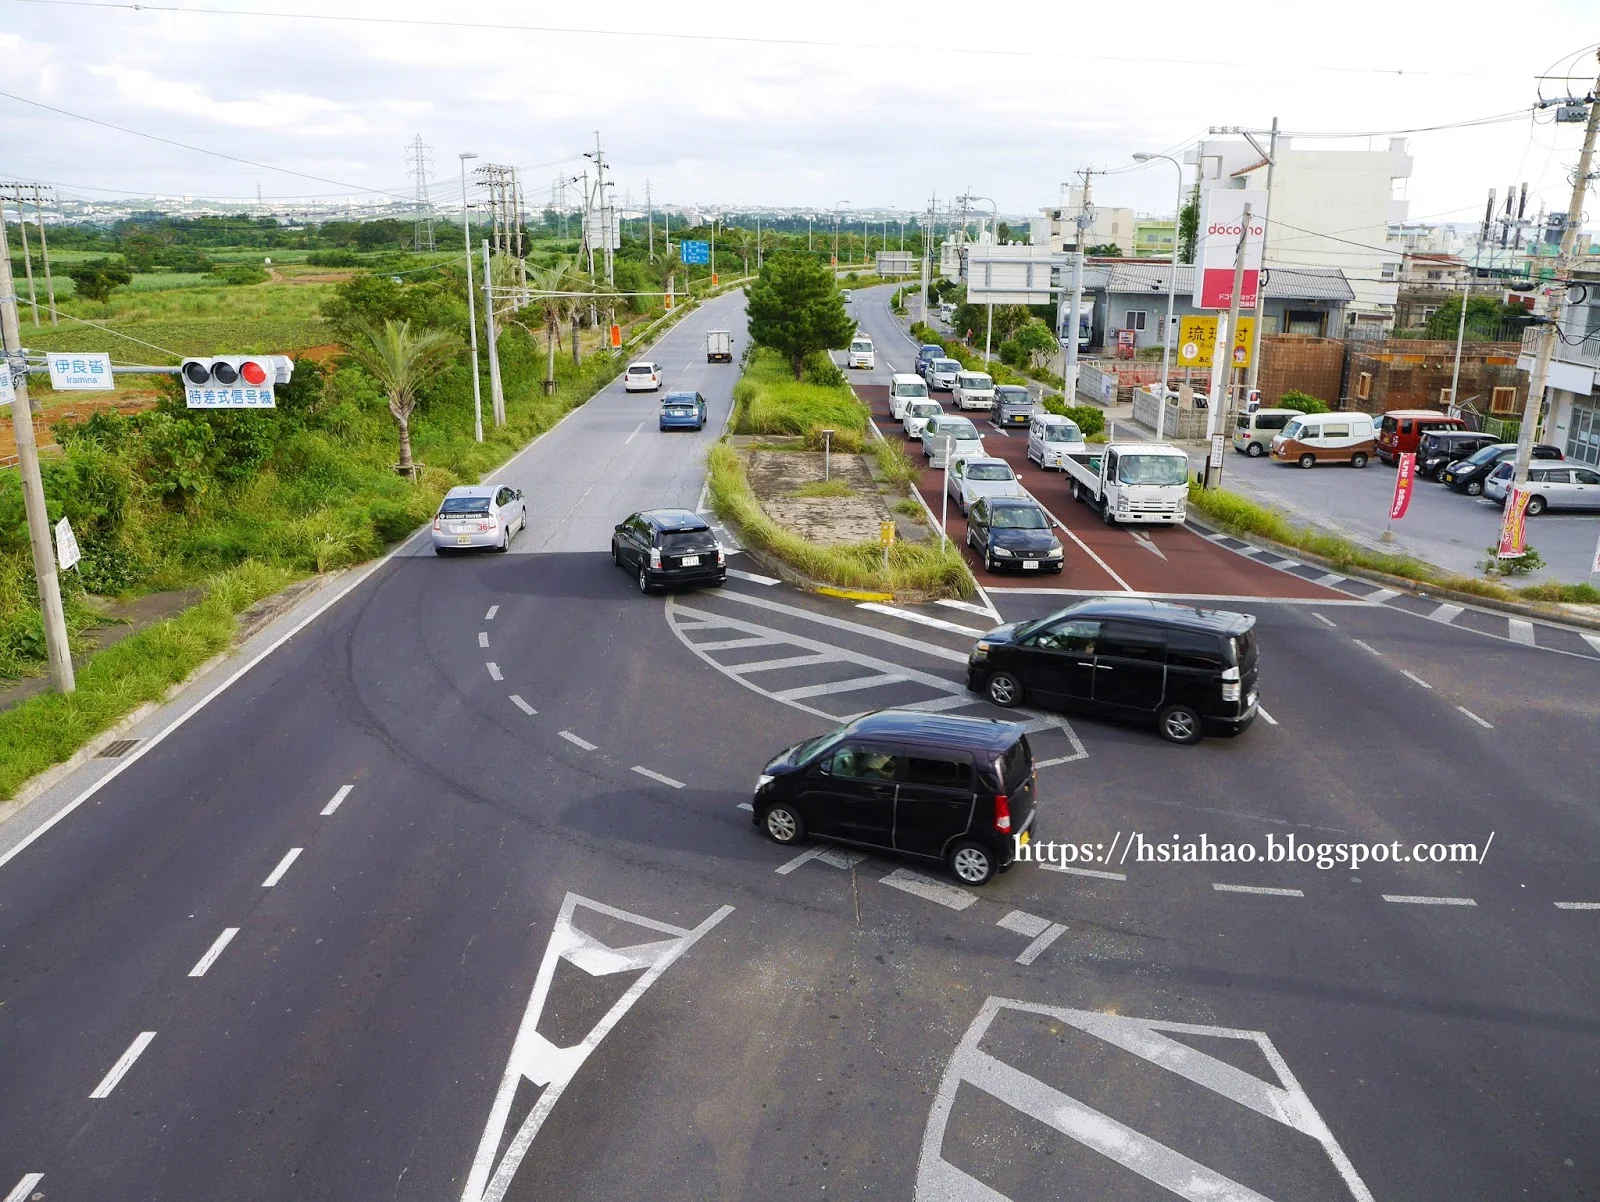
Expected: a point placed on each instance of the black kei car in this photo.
(667, 547)
(1468, 475)
(1013, 532)
(1192, 671)
(934, 786)
(1439, 449)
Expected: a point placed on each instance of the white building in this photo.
(1329, 208)
(1057, 227)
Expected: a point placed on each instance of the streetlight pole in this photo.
(1172, 289)
(472, 310)
(988, 332)
(836, 209)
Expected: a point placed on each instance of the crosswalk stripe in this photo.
(841, 686)
(792, 661)
(1330, 578)
(1447, 613)
(1521, 631)
(907, 615)
(753, 640)
(1382, 595)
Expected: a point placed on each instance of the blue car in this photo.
(683, 411)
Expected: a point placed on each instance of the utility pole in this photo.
(497, 396)
(1221, 413)
(1082, 221)
(1532, 411)
(472, 317)
(15, 192)
(33, 502)
(1466, 297)
(650, 220)
(1261, 288)
(927, 254)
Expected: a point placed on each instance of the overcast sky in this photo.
(881, 106)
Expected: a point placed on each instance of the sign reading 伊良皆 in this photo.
(74, 372)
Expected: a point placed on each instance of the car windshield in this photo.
(641, 369)
(1293, 429)
(861, 346)
(958, 429)
(679, 398)
(917, 389)
(1153, 469)
(976, 382)
(1012, 395)
(676, 542)
(1019, 517)
(1488, 455)
(923, 408)
(465, 506)
(989, 471)
(1063, 432)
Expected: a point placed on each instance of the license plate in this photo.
(463, 539)
(1030, 565)
(690, 561)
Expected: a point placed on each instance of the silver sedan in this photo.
(479, 516)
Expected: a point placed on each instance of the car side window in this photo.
(938, 773)
(1582, 475)
(1405, 426)
(864, 763)
(1129, 640)
(980, 513)
(1551, 475)
(1191, 649)
(1074, 635)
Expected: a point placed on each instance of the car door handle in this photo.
(1104, 668)
(1085, 663)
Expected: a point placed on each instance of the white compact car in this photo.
(1052, 438)
(917, 414)
(976, 476)
(861, 353)
(950, 435)
(642, 377)
(904, 388)
(973, 390)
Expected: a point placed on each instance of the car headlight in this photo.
(763, 781)
(1001, 551)
(1054, 552)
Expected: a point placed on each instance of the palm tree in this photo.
(544, 283)
(400, 359)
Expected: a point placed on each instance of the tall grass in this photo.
(770, 400)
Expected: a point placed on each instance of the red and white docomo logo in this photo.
(1256, 231)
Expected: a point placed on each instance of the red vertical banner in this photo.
(1405, 479)
(1513, 543)
(616, 336)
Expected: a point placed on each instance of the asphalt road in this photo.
(503, 931)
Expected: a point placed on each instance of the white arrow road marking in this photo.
(24, 1187)
(1143, 540)
(538, 1060)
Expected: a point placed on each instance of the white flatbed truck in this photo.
(1140, 482)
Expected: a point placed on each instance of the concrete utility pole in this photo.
(1466, 297)
(44, 252)
(472, 317)
(650, 220)
(497, 396)
(1261, 288)
(927, 253)
(1167, 334)
(1070, 367)
(33, 503)
(1221, 413)
(1533, 411)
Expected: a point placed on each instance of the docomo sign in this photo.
(1221, 223)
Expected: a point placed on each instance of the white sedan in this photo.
(975, 476)
(642, 377)
(917, 414)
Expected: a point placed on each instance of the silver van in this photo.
(942, 374)
(1253, 431)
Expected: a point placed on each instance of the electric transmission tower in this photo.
(420, 158)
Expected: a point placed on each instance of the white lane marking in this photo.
(792, 661)
(1261, 889)
(212, 952)
(489, 617)
(1592, 639)
(1447, 613)
(483, 638)
(656, 776)
(1087, 550)
(1143, 540)
(1094, 872)
(276, 875)
(841, 686)
(906, 615)
(1330, 578)
(952, 603)
(1475, 718)
(522, 705)
(24, 1187)
(929, 889)
(634, 435)
(753, 577)
(811, 854)
(577, 742)
(494, 670)
(336, 800)
(1381, 596)
(1415, 679)
(839, 858)
(732, 644)
(1036, 949)
(991, 613)
(1521, 631)
(1266, 717)
(1578, 905)
(1024, 923)
(538, 1060)
(795, 611)
(1408, 900)
(745, 805)
(1323, 620)
(1366, 646)
(123, 1064)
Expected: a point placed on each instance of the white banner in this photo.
(1594, 568)
(67, 552)
(72, 371)
(1221, 218)
(8, 394)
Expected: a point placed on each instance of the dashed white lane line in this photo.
(336, 800)
(1323, 620)
(1094, 872)
(656, 776)
(803, 857)
(1263, 890)
(1366, 646)
(523, 705)
(1475, 718)
(212, 952)
(968, 606)
(494, 670)
(283, 867)
(929, 889)
(1415, 679)
(24, 1187)
(745, 805)
(1521, 631)
(1406, 900)
(121, 1067)
(1382, 595)
(634, 435)
(489, 617)
(1036, 949)
(1578, 905)
(1266, 717)
(577, 742)
(907, 615)
(483, 638)
(1447, 613)
(753, 577)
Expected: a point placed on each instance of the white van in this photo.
(1254, 429)
(1316, 438)
(1051, 438)
(973, 390)
(903, 388)
(861, 353)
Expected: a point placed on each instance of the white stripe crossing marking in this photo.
(522, 705)
(929, 889)
(1592, 639)
(1366, 646)
(1521, 631)
(1578, 905)
(760, 640)
(1415, 679)
(483, 638)
(792, 661)
(906, 615)
(336, 800)
(794, 611)
(494, 670)
(1407, 900)
(952, 603)
(1094, 872)
(1263, 890)
(842, 686)
(489, 617)
(1381, 596)
(754, 578)
(577, 742)
(1266, 717)
(121, 1067)
(1331, 578)
(215, 950)
(24, 1187)
(656, 776)
(1035, 949)
(289, 858)
(955, 701)
(1323, 620)
(745, 805)
(1447, 613)
(805, 856)
(1024, 923)
(1475, 718)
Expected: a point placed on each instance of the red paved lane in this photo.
(1187, 564)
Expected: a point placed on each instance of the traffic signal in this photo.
(234, 381)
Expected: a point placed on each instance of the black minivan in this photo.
(934, 786)
(1193, 671)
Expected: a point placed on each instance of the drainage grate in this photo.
(116, 750)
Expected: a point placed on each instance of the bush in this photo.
(771, 402)
(241, 273)
(1011, 352)
(1089, 419)
(843, 441)
(822, 370)
(1303, 401)
(392, 520)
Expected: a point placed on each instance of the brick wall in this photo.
(1312, 365)
(1413, 374)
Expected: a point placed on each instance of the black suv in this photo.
(1467, 475)
(668, 546)
(1013, 532)
(957, 790)
(1193, 671)
(1439, 450)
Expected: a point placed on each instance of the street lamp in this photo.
(472, 310)
(988, 333)
(836, 209)
(1172, 288)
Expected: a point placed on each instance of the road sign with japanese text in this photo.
(71, 371)
(1197, 338)
(694, 252)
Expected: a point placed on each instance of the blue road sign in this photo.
(694, 252)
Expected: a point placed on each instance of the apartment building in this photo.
(1572, 394)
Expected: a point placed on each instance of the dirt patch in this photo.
(775, 475)
(53, 407)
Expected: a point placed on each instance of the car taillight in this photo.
(720, 559)
(436, 521)
(655, 558)
(1002, 813)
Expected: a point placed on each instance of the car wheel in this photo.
(782, 824)
(988, 562)
(1475, 488)
(644, 581)
(1077, 492)
(1536, 506)
(1107, 514)
(1254, 450)
(1004, 689)
(616, 554)
(1358, 460)
(505, 543)
(1308, 461)
(1180, 724)
(971, 863)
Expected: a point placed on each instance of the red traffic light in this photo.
(253, 373)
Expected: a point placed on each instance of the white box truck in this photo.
(719, 346)
(1132, 481)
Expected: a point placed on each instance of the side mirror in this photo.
(519, 494)
(824, 768)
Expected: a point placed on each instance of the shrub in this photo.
(822, 370)
(241, 273)
(392, 520)
(844, 441)
(1011, 352)
(895, 462)
(1090, 420)
(1293, 398)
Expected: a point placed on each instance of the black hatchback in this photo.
(934, 786)
(1468, 475)
(1439, 449)
(668, 546)
(1192, 671)
(1013, 532)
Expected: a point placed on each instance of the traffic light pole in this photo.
(33, 503)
